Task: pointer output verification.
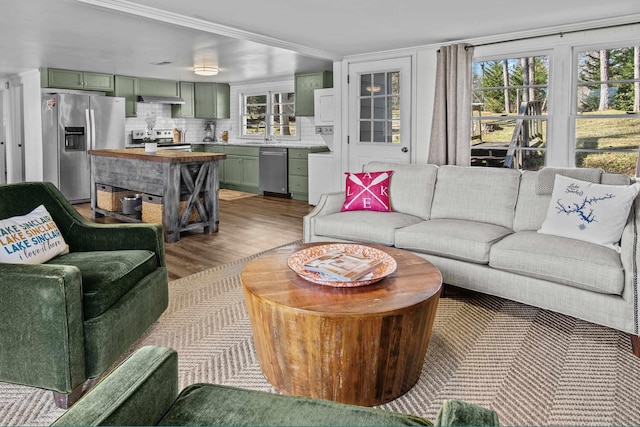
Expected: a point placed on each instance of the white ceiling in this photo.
(252, 40)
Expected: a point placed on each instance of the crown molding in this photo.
(208, 27)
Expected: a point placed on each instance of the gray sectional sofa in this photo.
(479, 227)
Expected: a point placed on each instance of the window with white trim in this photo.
(269, 115)
(605, 113)
(509, 112)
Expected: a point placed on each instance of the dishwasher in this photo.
(273, 167)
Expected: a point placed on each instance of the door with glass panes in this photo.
(379, 112)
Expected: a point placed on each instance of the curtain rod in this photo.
(559, 33)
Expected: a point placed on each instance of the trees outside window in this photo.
(269, 114)
(607, 114)
(509, 115)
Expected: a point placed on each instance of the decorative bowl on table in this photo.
(297, 261)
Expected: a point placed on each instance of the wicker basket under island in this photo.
(110, 198)
(152, 209)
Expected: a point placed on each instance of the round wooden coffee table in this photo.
(363, 345)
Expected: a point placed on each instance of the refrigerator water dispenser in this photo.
(74, 138)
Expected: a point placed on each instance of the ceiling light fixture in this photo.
(205, 71)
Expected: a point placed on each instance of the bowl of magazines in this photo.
(342, 264)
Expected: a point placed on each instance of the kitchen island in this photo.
(170, 176)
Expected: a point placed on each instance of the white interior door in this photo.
(379, 112)
(14, 144)
(3, 138)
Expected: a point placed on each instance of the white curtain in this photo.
(451, 127)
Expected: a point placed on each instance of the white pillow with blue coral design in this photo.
(591, 212)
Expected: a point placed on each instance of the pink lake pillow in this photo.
(367, 191)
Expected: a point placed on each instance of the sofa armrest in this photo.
(457, 413)
(138, 392)
(630, 257)
(86, 236)
(41, 326)
(329, 203)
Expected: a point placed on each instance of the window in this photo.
(607, 115)
(269, 115)
(380, 107)
(509, 112)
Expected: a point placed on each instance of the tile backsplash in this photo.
(195, 127)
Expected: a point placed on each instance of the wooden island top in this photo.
(164, 156)
(182, 182)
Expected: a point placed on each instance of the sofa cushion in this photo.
(107, 275)
(364, 226)
(531, 208)
(561, 260)
(452, 238)
(547, 176)
(586, 211)
(476, 194)
(218, 405)
(411, 187)
(367, 191)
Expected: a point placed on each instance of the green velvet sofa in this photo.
(143, 390)
(68, 320)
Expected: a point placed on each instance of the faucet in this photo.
(264, 125)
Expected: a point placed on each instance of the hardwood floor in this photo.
(248, 225)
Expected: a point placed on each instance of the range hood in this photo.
(160, 99)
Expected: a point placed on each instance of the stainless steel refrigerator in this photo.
(73, 124)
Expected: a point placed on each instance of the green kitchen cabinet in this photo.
(241, 171)
(299, 171)
(212, 100)
(223, 100)
(72, 79)
(186, 110)
(127, 87)
(305, 84)
(157, 87)
(213, 148)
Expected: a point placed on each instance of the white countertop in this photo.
(279, 144)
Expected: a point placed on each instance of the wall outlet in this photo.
(324, 130)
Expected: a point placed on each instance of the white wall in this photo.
(560, 48)
(32, 122)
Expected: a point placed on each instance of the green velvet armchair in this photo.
(68, 320)
(143, 390)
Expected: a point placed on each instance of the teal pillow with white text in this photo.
(595, 213)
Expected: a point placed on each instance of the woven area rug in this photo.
(532, 366)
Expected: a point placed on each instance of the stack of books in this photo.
(339, 266)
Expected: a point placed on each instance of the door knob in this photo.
(405, 149)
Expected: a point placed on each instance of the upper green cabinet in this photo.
(157, 87)
(186, 110)
(71, 79)
(127, 87)
(212, 100)
(223, 98)
(305, 85)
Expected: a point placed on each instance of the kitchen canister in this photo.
(132, 204)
